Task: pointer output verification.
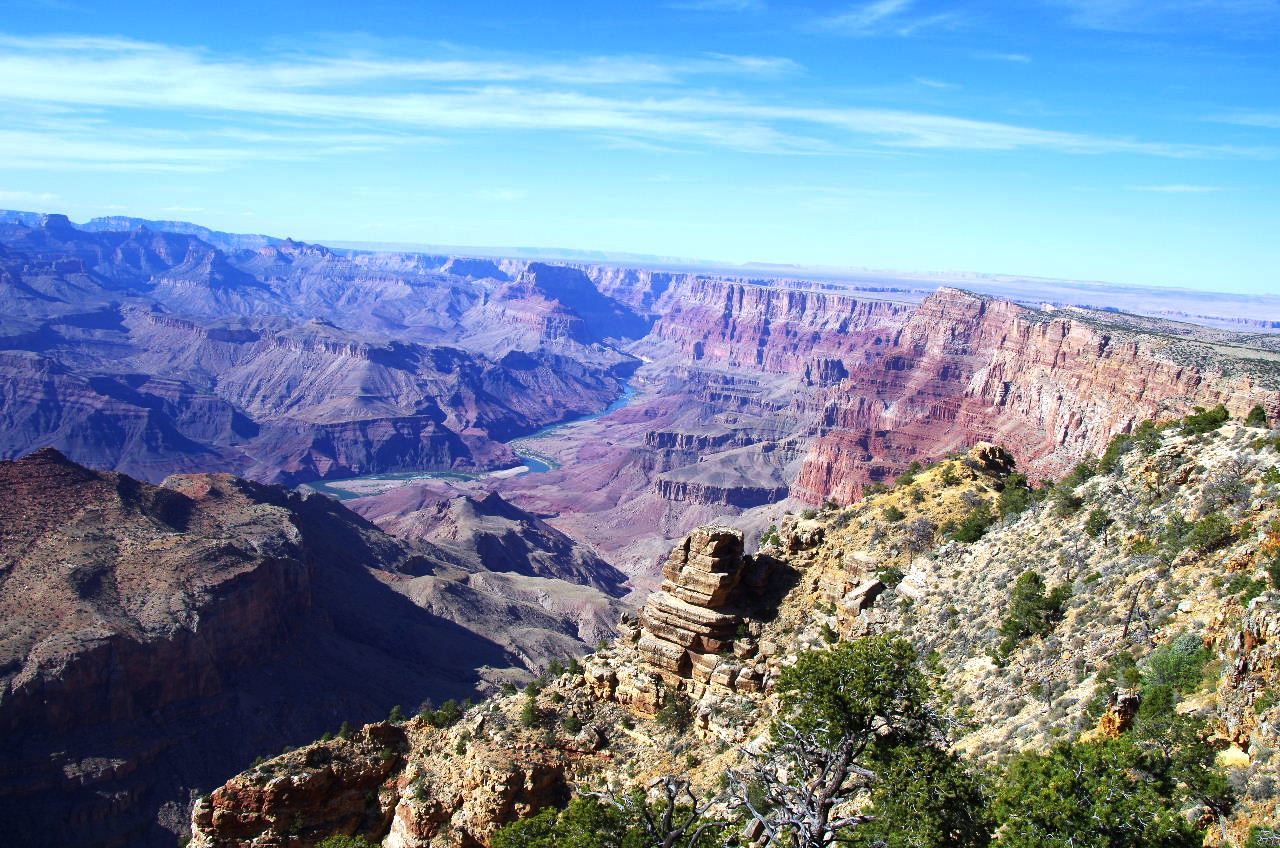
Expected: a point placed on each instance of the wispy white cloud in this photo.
(989, 56)
(883, 17)
(92, 102)
(1243, 18)
(13, 197)
(1266, 120)
(1178, 188)
(933, 83)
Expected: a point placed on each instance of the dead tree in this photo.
(795, 790)
(677, 818)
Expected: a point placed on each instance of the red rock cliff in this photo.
(1052, 387)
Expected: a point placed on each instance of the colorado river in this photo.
(525, 447)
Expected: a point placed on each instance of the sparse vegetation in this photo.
(449, 714)
(676, 714)
(339, 840)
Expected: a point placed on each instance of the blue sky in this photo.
(1134, 142)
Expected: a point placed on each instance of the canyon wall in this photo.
(1052, 387)
(874, 385)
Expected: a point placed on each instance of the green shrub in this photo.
(1141, 545)
(1263, 837)
(893, 514)
(1209, 533)
(908, 477)
(876, 690)
(529, 714)
(1246, 587)
(628, 822)
(339, 840)
(1174, 535)
(449, 714)
(1116, 448)
(1032, 611)
(1064, 500)
(1179, 664)
(852, 687)
(1205, 421)
(1016, 495)
(1097, 522)
(396, 715)
(1110, 793)
(1146, 437)
(1257, 417)
(974, 525)
(890, 576)
(1086, 470)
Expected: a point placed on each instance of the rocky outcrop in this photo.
(343, 786)
(689, 626)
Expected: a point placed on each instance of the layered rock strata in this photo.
(689, 626)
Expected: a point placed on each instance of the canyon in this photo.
(177, 601)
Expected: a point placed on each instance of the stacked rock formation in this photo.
(688, 627)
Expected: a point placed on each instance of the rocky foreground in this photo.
(1173, 538)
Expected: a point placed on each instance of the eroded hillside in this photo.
(155, 639)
